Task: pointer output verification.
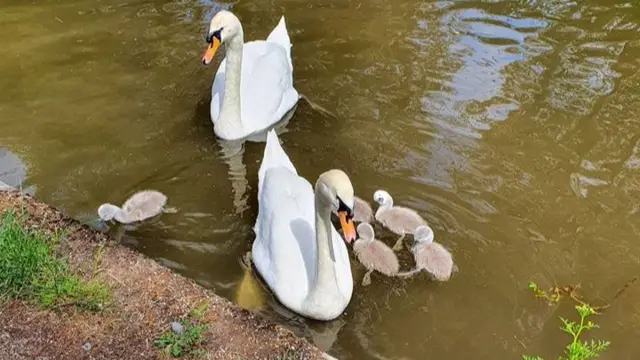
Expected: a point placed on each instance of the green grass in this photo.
(190, 340)
(32, 271)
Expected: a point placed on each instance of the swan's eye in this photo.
(343, 207)
(216, 34)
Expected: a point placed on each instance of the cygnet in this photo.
(140, 206)
(362, 211)
(430, 256)
(374, 254)
(400, 220)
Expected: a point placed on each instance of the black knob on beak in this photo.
(343, 207)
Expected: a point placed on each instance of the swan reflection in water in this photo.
(252, 294)
(232, 152)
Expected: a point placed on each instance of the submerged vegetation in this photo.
(32, 271)
(577, 349)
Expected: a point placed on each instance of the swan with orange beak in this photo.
(253, 87)
(297, 250)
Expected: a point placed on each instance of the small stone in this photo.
(86, 346)
(177, 327)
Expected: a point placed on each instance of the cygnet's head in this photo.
(335, 190)
(365, 231)
(423, 234)
(382, 197)
(107, 211)
(223, 27)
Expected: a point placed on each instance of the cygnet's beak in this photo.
(212, 47)
(348, 229)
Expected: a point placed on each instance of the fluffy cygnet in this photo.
(400, 220)
(140, 206)
(362, 211)
(430, 256)
(374, 254)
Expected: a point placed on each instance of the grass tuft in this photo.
(190, 340)
(31, 271)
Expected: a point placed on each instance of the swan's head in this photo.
(222, 28)
(107, 211)
(423, 234)
(365, 231)
(382, 197)
(334, 189)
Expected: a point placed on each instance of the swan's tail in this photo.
(280, 36)
(274, 156)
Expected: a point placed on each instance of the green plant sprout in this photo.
(578, 349)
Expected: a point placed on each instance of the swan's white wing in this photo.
(284, 251)
(279, 35)
(274, 156)
(267, 91)
(267, 85)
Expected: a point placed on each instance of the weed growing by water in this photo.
(188, 339)
(198, 311)
(31, 271)
(577, 349)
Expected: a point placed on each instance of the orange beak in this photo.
(210, 50)
(349, 231)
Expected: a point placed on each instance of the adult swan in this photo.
(253, 87)
(297, 251)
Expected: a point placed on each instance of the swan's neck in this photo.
(120, 215)
(385, 206)
(325, 278)
(229, 122)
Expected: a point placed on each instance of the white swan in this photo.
(297, 251)
(253, 87)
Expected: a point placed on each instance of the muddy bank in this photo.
(146, 299)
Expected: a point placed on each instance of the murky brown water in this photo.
(511, 126)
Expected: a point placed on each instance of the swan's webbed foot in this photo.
(316, 107)
(366, 279)
(120, 230)
(410, 273)
(170, 210)
(409, 247)
(398, 244)
(245, 261)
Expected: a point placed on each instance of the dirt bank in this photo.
(146, 299)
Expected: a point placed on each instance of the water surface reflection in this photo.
(511, 127)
